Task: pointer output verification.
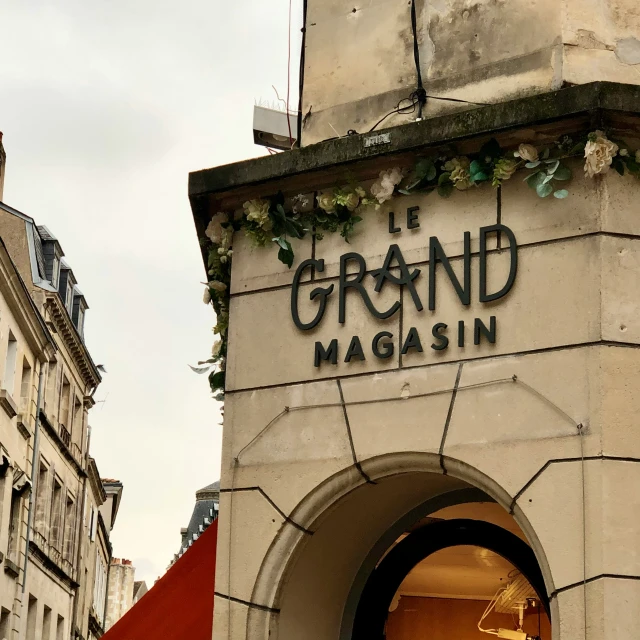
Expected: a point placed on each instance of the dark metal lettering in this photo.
(412, 218)
(480, 329)
(320, 293)
(443, 341)
(328, 355)
(383, 274)
(354, 350)
(388, 348)
(356, 283)
(392, 223)
(461, 328)
(412, 342)
(437, 254)
(513, 268)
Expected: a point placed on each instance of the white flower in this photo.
(216, 285)
(327, 201)
(223, 259)
(460, 175)
(624, 152)
(383, 188)
(361, 192)
(206, 298)
(215, 350)
(215, 230)
(599, 153)
(351, 201)
(527, 152)
(258, 211)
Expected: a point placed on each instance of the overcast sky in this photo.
(105, 107)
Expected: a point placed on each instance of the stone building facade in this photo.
(51, 513)
(121, 584)
(455, 388)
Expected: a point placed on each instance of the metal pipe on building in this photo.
(34, 483)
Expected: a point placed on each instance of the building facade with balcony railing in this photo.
(50, 560)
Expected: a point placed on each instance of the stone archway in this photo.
(314, 582)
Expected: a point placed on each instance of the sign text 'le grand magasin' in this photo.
(383, 345)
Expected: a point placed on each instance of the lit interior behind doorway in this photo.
(445, 595)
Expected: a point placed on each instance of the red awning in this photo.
(180, 605)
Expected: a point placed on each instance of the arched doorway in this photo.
(437, 567)
(315, 581)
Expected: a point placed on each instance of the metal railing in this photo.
(65, 435)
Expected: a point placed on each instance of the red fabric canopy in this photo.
(180, 604)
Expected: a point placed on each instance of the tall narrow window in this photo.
(60, 628)
(65, 412)
(32, 615)
(46, 623)
(25, 388)
(9, 379)
(50, 394)
(56, 516)
(70, 528)
(42, 503)
(15, 518)
(5, 622)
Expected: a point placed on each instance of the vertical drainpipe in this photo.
(74, 615)
(32, 494)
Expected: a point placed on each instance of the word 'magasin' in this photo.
(407, 278)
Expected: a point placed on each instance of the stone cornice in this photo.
(514, 114)
(96, 483)
(66, 329)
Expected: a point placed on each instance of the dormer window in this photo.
(66, 286)
(55, 272)
(79, 308)
(52, 255)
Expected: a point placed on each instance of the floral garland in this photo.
(270, 220)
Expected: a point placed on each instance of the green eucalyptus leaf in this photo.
(562, 173)
(444, 177)
(561, 194)
(445, 190)
(286, 256)
(407, 192)
(632, 165)
(577, 148)
(479, 177)
(553, 166)
(475, 167)
(547, 179)
(217, 380)
(618, 165)
(425, 169)
(533, 165)
(281, 242)
(544, 190)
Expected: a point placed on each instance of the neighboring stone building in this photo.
(439, 419)
(204, 513)
(54, 509)
(121, 586)
(26, 345)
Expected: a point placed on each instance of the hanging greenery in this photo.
(271, 221)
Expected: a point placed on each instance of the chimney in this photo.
(3, 160)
